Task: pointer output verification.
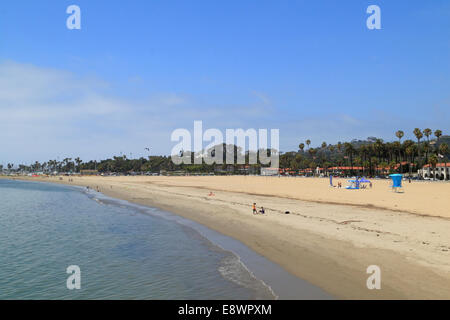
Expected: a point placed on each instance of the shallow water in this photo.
(124, 251)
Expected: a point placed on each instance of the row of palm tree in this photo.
(66, 165)
(373, 155)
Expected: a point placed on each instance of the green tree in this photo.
(443, 150)
(400, 135)
(301, 146)
(78, 161)
(438, 134)
(419, 135)
(433, 161)
(427, 132)
(349, 151)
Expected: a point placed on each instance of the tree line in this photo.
(371, 156)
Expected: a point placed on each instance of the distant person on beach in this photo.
(370, 185)
(254, 208)
(262, 211)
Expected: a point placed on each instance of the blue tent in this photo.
(354, 185)
(364, 180)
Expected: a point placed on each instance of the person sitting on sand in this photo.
(262, 211)
(211, 194)
(254, 208)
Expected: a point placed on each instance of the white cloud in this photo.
(48, 113)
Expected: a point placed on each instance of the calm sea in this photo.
(123, 251)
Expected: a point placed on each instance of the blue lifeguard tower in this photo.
(396, 181)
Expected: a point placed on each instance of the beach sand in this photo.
(330, 236)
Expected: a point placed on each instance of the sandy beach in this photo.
(330, 236)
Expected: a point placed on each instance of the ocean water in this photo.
(124, 251)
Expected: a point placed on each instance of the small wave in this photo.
(233, 269)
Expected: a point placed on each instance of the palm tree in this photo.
(433, 161)
(400, 135)
(426, 149)
(427, 132)
(349, 150)
(379, 146)
(78, 161)
(364, 151)
(443, 149)
(438, 134)
(419, 136)
(301, 146)
(374, 161)
(397, 146)
(324, 145)
(410, 152)
(308, 142)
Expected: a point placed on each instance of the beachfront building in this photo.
(89, 172)
(224, 169)
(269, 171)
(306, 172)
(343, 170)
(287, 172)
(441, 172)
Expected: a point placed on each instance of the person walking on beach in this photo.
(254, 208)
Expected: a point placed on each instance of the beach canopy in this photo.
(364, 180)
(353, 186)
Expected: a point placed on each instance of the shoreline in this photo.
(325, 246)
(261, 269)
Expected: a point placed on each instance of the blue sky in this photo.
(137, 70)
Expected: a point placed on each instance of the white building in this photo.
(441, 172)
(269, 171)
